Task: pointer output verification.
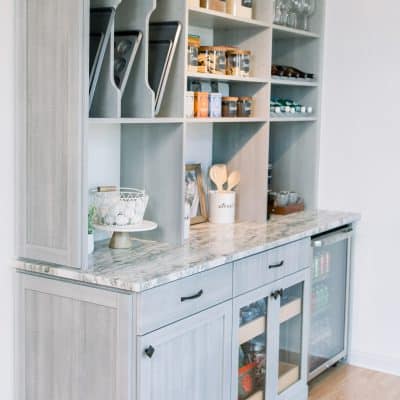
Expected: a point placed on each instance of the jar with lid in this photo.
(240, 8)
(216, 5)
(229, 106)
(238, 63)
(193, 53)
(212, 60)
(215, 105)
(201, 104)
(245, 107)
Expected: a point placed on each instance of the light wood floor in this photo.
(352, 383)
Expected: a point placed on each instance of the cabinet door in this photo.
(73, 342)
(50, 124)
(189, 359)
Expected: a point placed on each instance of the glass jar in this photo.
(216, 5)
(193, 53)
(215, 105)
(189, 105)
(245, 107)
(229, 106)
(240, 8)
(238, 63)
(212, 60)
(201, 104)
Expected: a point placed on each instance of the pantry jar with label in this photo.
(215, 105)
(212, 60)
(245, 107)
(201, 104)
(240, 8)
(229, 106)
(238, 63)
(193, 53)
(216, 5)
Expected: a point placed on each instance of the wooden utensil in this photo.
(219, 175)
(233, 180)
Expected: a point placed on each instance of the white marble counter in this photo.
(150, 264)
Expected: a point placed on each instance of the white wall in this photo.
(6, 194)
(360, 165)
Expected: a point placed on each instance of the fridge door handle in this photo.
(333, 238)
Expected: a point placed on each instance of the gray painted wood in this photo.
(75, 343)
(162, 306)
(252, 272)
(50, 126)
(191, 359)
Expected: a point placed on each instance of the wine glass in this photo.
(277, 11)
(284, 11)
(297, 12)
(308, 11)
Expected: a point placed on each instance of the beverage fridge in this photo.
(330, 299)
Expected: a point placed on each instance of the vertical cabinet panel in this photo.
(191, 358)
(74, 342)
(50, 127)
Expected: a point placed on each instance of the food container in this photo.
(222, 207)
(245, 107)
(215, 105)
(212, 60)
(189, 105)
(240, 8)
(201, 104)
(216, 5)
(193, 53)
(238, 63)
(247, 380)
(229, 106)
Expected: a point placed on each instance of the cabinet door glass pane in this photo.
(252, 351)
(328, 303)
(290, 336)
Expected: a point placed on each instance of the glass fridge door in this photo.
(290, 336)
(329, 302)
(253, 351)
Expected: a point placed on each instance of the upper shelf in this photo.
(284, 32)
(136, 121)
(224, 78)
(213, 19)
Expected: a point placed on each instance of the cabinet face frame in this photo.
(273, 328)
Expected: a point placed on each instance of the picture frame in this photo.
(195, 194)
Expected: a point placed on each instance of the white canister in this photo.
(186, 221)
(189, 104)
(240, 8)
(221, 207)
(215, 105)
(90, 243)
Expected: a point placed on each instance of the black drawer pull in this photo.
(195, 296)
(277, 265)
(150, 351)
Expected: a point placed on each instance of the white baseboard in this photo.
(387, 364)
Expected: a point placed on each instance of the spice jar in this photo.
(189, 104)
(215, 105)
(212, 60)
(193, 53)
(201, 104)
(245, 107)
(229, 106)
(216, 5)
(238, 63)
(240, 8)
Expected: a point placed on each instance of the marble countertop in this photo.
(150, 264)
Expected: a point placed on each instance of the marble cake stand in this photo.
(120, 238)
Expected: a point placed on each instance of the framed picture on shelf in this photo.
(194, 194)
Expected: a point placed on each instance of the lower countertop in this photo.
(150, 264)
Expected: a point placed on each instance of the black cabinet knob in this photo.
(277, 293)
(150, 351)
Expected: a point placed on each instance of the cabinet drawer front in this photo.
(255, 271)
(171, 302)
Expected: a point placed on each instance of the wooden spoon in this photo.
(233, 180)
(219, 174)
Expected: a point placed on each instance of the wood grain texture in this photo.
(347, 382)
(50, 138)
(191, 358)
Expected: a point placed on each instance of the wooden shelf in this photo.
(290, 310)
(223, 120)
(288, 375)
(225, 78)
(213, 19)
(293, 119)
(294, 82)
(257, 396)
(252, 330)
(135, 121)
(284, 32)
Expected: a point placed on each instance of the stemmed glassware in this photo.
(308, 11)
(294, 13)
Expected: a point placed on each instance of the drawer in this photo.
(173, 301)
(269, 266)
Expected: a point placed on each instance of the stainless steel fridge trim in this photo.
(332, 239)
(343, 354)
